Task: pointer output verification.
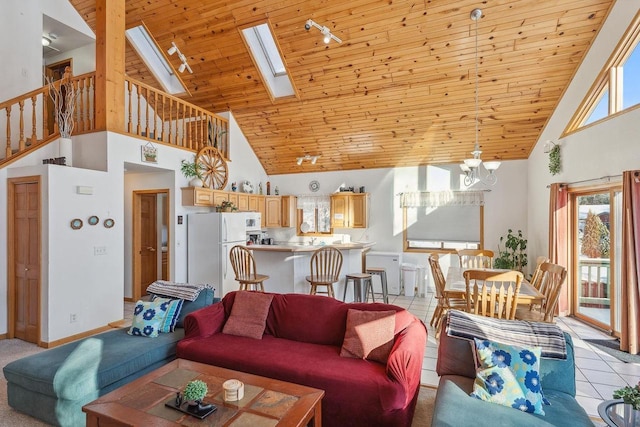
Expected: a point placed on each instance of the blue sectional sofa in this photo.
(54, 385)
(454, 406)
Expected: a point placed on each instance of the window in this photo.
(314, 216)
(266, 56)
(617, 87)
(145, 45)
(444, 217)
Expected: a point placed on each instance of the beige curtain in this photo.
(630, 304)
(558, 230)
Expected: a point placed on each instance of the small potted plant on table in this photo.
(194, 392)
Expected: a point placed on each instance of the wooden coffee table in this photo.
(266, 402)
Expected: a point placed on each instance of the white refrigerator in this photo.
(210, 237)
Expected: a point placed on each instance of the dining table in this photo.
(456, 287)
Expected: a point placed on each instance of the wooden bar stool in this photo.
(382, 273)
(360, 293)
(244, 266)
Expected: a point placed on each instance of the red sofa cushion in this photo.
(369, 335)
(248, 315)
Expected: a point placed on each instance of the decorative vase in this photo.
(196, 182)
(65, 149)
(630, 415)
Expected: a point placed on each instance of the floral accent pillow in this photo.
(147, 319)
(508, 375)
(171, 309)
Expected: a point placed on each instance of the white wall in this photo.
(21, 65)
(84, 59)
(604, 149)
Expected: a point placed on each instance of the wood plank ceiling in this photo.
(398, 91)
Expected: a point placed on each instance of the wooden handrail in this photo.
(30, 112)
(147, 109)
(166, 118)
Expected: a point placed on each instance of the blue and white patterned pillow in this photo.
(508, 375)
(171, 309)
(147, 319)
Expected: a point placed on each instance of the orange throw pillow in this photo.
(248, 315)
(369, 334)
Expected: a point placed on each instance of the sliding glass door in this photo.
(596, 227)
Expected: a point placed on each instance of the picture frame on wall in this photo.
(149, 153)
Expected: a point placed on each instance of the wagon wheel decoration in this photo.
(213, 167)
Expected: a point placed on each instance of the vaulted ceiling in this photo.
(398, 91)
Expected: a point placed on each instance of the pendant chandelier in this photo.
(472, 168)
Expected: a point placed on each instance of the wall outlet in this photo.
(73, 318)
(99, 250)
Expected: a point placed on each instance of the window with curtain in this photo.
(314, 215)
(442, 220)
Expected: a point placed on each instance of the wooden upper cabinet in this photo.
(219, 196)
(349, 210)
(273, 211)
(243, 202)
(339, 211)
(197, 196)
(233, 198)
(262, 208)
(288, 207)
(359, 210)
(254, 204)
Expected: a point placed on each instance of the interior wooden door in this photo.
(148, 241)
(24, 241)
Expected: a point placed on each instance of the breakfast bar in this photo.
(287, 265)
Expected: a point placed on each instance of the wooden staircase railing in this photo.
(150, 114)
(168, 119)
(32, 114)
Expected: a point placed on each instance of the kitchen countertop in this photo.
(309, 248)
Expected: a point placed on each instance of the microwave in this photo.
(254, 220)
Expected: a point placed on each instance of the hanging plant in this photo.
(554, 160)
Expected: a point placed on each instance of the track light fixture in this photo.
(184, 66)
(46, 41)
(324, 30)
(312, 159)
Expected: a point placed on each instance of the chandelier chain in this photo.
(476, 90)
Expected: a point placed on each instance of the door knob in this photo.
(150, 249)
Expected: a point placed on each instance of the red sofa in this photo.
(301, 344)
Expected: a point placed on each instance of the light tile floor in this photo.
(597, 373)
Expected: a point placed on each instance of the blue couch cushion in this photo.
(454, 407)
(74, 370)
(455, 357)
(205, 298)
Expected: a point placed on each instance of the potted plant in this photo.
(193, 171)
(630, 395)
(194, 392)
(226, 206)
(514, 255)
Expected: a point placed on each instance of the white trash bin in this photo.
(423, 281)
(409, 278)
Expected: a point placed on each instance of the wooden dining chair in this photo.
(493, 294)
(475, 258)
(444, 302)
(536, 281)
(325, 267)
(552, 278)
(244, 267)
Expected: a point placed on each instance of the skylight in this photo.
(266, 55)
(148, 50)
